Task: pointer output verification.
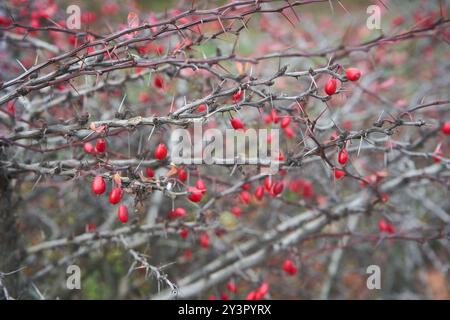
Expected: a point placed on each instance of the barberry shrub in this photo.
(88, 173)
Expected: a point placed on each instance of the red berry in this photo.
(158, 81)
(89, 148)
(182, 174)
(115, 195)
(262, 290)
(289, 132)
(343, 156)
(224, 296)
(212, 297)
(201, 185)
(177, 213)
(353, 74)
(204, 240)
(277, 188)
(245, 197)
(98, 185)
(330, 86)
(246, 186)
(285, 122)
(184, 233)
(237, 96)
(236, 211)
(236, 124)
(446, 128)
(123, 213)
(195, 195)
(232, 287)
(438, 153)
(339, 173)
(268, 183)
(201, 108)
(259, 192)
(384, 197)
(385, 226)
(100, 146)
(274, 116)
(149, 172)
(289, 267)
(251, 295)
(161, 151)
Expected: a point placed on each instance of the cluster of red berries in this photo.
(99, 187)
(100, 147)
(385, 226)
(115, 196)
(352, 74)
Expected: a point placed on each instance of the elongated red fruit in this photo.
(289, 267)
(446, 128)
(204, 240)
(268, 183)
(274, 115)
(237, 96)
(353, 74)
(115, 195)
(149, 172)
(236, 211)
(343, 156)
(98, 185)
(259, 192)
(285, 122)
(232, 286)
(161, 151)
(122, 213)
(195, 195)
(182, 174)
(330, 86)
(100, 146)
(245, 197)
(201, 185)
(277, 188)
(289, 132)
(89, 148)
(236, 123)
(339, 173)
(184, 233)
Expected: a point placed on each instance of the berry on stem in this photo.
(353, 74)
(446, 128)
(98, 185)
(285, 122)
(149, 172)
(339, 173)
(259, 192)
(204, 240)
(89, 148)
(100, 146)
(122, 213)
(195, 195)
(236, 211)
(343, 156)
(236, 123)
(289, 267)
(330, 86)
(182, 174)
(115, 195)
(161, 151)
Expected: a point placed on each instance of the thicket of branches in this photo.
(131, 75)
